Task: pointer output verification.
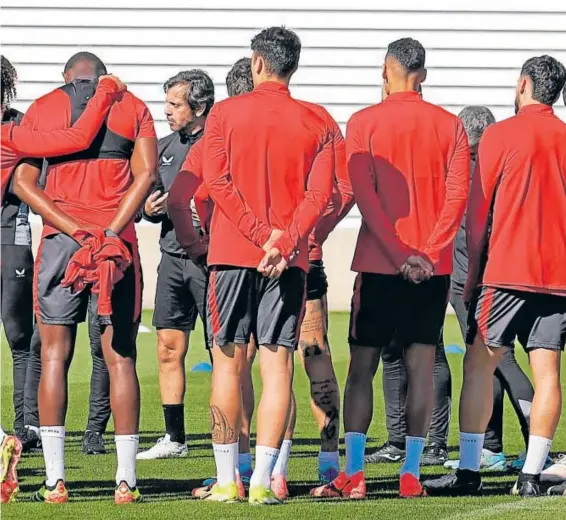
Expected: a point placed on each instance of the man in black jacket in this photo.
(181, 284)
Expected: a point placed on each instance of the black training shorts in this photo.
(242, 302)
(387, 306)
(500, 316)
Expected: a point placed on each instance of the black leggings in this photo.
(17, 317)
(395, 392)
(508, 376)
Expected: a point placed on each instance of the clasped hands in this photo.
(416, 269)
(272, 264)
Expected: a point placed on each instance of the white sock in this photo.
(282, 464)
(265, 460)
(53, 441)
(471, 445)
(244, 462)
(34, 429)
(355, 452)
(126, 449)
(536, 454)
(226, 458)
(414, 447)
(328, 459)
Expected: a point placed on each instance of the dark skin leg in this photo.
(57, 349)
(124, 384)
(358, 395)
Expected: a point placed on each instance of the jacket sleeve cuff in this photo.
(285, 246)
(196, 250)
(262, 236)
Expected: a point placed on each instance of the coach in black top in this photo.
(181, 284)
(16, 288)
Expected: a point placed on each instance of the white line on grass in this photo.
(490, 512)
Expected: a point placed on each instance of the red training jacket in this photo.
(409, 164)
(19, 142)
(342, 198)
(90, 190)
(519, 184)
(268, 164)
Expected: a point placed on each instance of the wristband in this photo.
(110, 233)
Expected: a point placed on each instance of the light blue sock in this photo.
(471, 445)
(245, 463)
(414, 447)
(355, 451)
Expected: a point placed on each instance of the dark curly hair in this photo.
(200, 88)
(547, 75)
(476, 119)
(239, 80)
(9, 79)
(409, 53)
(280, 48)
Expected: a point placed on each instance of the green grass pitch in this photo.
(166, 484)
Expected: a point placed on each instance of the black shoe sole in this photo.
(93, 452)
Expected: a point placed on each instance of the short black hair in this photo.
(200, 88)
(280, 48)
(547, 75)
(409, 53)
(239, 79)
(476, 119)
(99, 67)
(564, 94)
(9, 79)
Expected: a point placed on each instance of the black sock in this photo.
(175, 421)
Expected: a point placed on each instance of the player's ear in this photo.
(200, 110)
(423, 75)
(522, 86)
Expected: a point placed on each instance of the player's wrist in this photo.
(109, 233)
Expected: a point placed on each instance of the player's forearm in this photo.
(306, 216)
(43, 206)
(133, 200)
(224, 195)
(28, 142)
(179, 205)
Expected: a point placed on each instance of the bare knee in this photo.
(363, 362)
(171, 346)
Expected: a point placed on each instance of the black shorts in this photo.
(317, 283)
(242, 302)
(56, 305)
(501, 315)
(180, 295)
(385, 307)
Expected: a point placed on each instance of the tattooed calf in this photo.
(222, 432)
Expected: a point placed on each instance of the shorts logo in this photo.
(20, 273)
(168, 161)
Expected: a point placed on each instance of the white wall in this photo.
(474, 51)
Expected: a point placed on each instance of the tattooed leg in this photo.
(314, 352)
(226, 396)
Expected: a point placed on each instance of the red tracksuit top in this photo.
(342, 198)
(519, 184)
(409, 164)
(19, 142)
(268, 164)
(90, 190)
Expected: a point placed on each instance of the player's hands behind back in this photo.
(416, 269)
(272, 264)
